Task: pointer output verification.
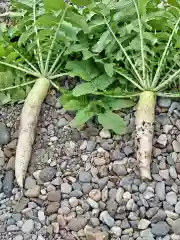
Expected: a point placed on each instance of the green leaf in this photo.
(83, 89)
(73, 105)
(82, 117)
(2, 51)
(103, 42)
(83, 69)
(25, 4)
(19, 95)
(142, 6)
(12, 56)
(46, 20)
(75, 48)
(25, 36)
(112, 121)
(69, 30)
(117, 104)
(4, 98)
(82, 2)
(6, 79)
(87, 54)
(77, 20)
(102, 82)
(108, 67)
(54, 4)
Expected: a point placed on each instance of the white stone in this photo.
(104, 133)
(41, 216)
(28, 226)
(162, 139)
(116, 231)
(143, 224)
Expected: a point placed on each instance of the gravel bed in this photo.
(85, 184)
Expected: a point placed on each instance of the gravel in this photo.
(85, 184)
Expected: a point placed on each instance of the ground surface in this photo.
(79, 180)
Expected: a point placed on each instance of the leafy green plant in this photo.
(35, 46)
(135, 47)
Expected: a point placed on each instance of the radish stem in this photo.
(145, 117)
(28, 121)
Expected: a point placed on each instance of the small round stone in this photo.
(116, 231)
(28, 226)
(104, 133)
(66, 188)
(95, 194)
(85, 177)
(160, 229)
(143, 224)
(177, 208)
(171, 198)
(4, 134)
(73, 201)
(47, 174)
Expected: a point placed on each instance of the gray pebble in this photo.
(164, 102)
(160, 229)
(176, 146)
(116, 231)
(77, 224)
(175, 226)
(91, 145)
(170, 160)
(102, 182)
(159, 216)
(143, 224)
(160, 190)
(16, 216)
(112, 207)
(107, 219)
(8, 182)
(66, 188)
(54, 196)
(171, 198)
(18, 237)
(73, 201)
(77, 186)
(119, 194)
(62, 122)
(4, 134)
(30, 182)
(173, 106)
(92, 203)
(128, 150)
(172, 172)
(125, 224)
(76, 193)
(12, 228)
(28, 226)
(94, 221)
(151, 212)
(178, 124)
(47, 174)
(164, 174)
(87, 187)
(85, 177)
(177, 207)
(119, 168)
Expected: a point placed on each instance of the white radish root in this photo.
(28, 121)
(145, 119)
